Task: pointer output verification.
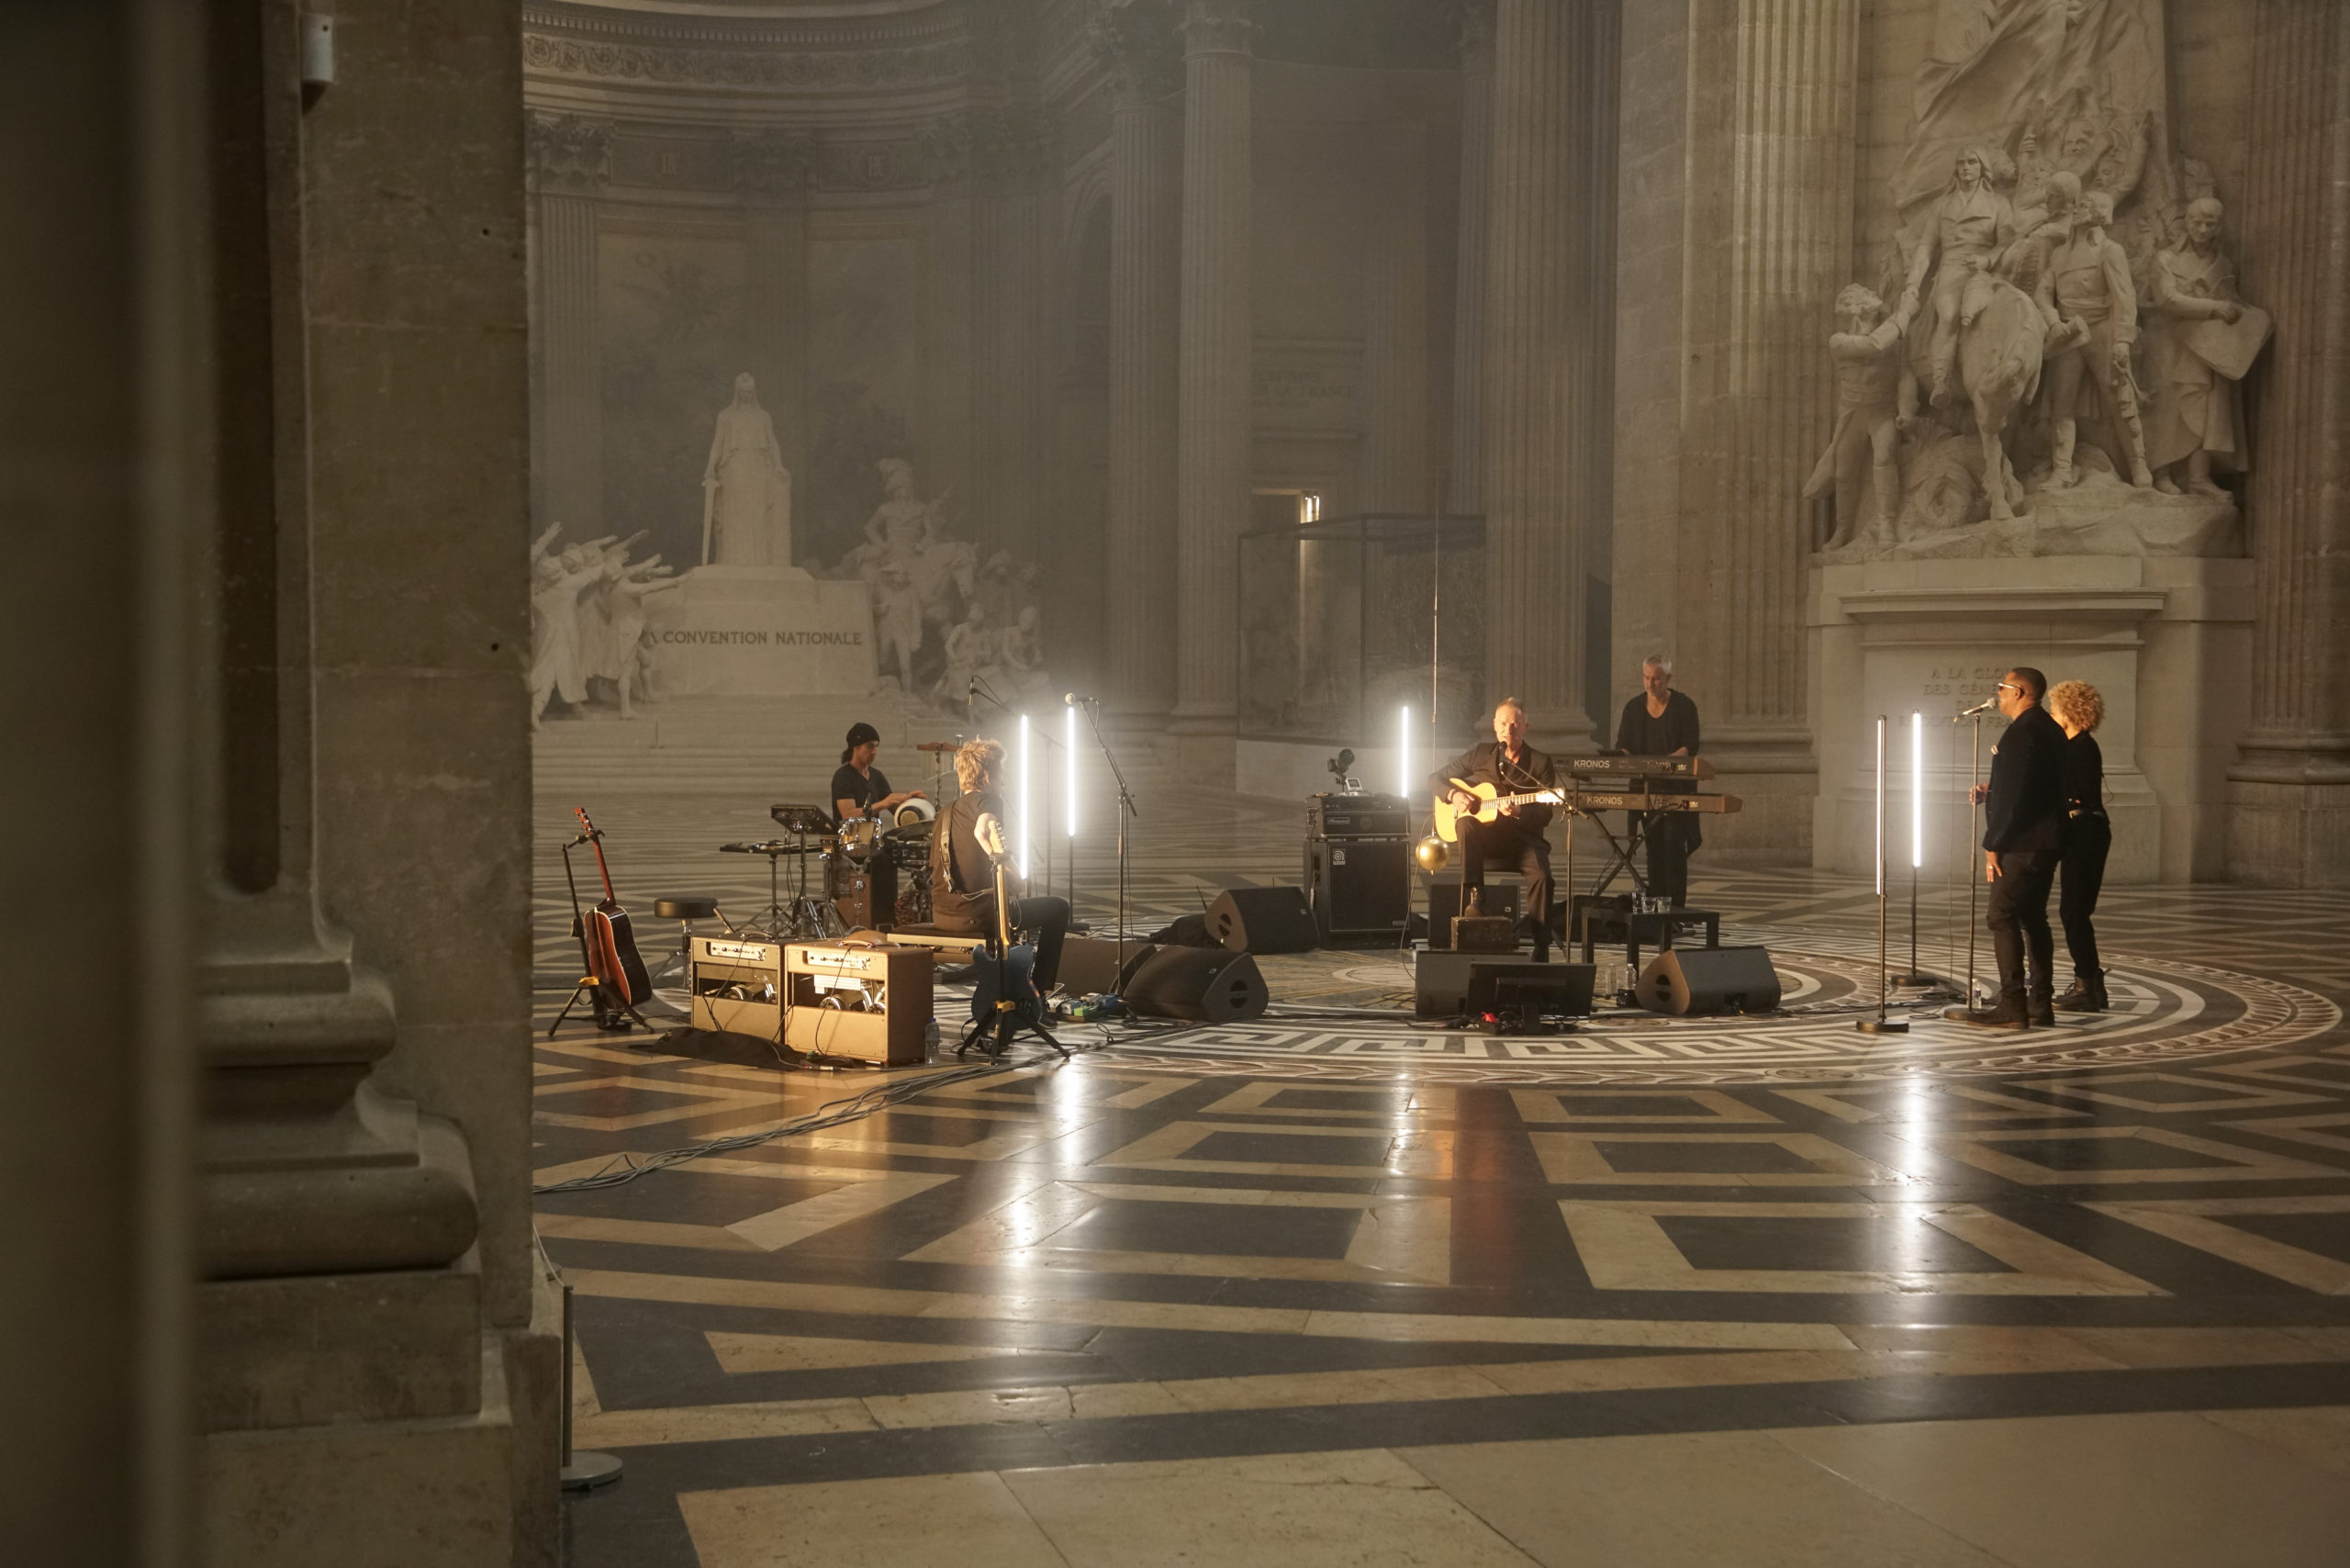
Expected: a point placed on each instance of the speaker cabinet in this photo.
(1499, 896)
(1360, 889)
(865, 891)
(1690, 980)
(1204, 985)
(1090, 963)
(1262, 920)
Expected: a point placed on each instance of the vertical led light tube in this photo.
(1069, 756)
(1020, 807)
(1880, 805)
(1403, 755)
(1916, 790)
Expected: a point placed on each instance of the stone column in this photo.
(773, 170)
(1010, 148)
(1392, 472)
(569, 159)
(1145, 216)
(1464, 488)
(1540, 315)
(1215, 398)
(2289, 793)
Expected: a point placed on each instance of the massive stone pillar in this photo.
(1010, 155)
(1465, 487)
(1394, 473)
(1737, 165)
(1216, 398)
(1540, 392)
(2288, 794)
(773, 170)
(1146, 219)
(569, 159)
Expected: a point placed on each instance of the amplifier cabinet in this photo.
(737, 985)
(1358, 816)
(869, 1002)
(1360, 888)
(865, 891)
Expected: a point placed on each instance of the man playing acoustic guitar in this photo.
(1514, 836)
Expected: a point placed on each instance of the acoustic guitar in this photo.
(1490, 802)
(620, 979)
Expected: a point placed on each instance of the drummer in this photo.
(859, 788)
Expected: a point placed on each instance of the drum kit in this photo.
(860, 860)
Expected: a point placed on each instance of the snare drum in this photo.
(858, 838)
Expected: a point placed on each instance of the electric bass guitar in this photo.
(620, 979)
(1490, 802)
(1004, 998)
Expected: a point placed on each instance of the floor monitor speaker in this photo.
(1689, 980)
(1090, 963)
(1205, 985)
(1262, 920)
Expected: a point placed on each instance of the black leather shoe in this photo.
(2070, 998)
(2088, 995)
(2006, 1015)
(2044, 1016)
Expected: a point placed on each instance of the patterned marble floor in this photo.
(1337, 1289)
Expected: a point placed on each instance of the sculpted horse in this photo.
(1999, 355)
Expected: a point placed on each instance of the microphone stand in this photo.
(1974, 868)
(1126, 808)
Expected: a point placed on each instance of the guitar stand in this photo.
(606, 1016)
(995, 1036)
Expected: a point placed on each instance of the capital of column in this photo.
(569, 154)
(774, 164)
(1218, 27)
(1135, 43)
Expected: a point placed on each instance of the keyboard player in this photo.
(1662, 721)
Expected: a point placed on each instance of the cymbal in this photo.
(938, 746)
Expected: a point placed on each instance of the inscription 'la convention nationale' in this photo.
(759, 639)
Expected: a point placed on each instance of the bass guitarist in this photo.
(1515, 837)
(962, 895)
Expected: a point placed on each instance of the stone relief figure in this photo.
(1875, 398)
(2200, 338)
(971, 652)
(897, 622)
(2087, 281)
(555, 587)
(746, 490)
(1022, 653)
(1971, 226)
(623, 590)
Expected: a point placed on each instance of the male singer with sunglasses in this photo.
(2022, 822)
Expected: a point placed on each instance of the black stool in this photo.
(684, 909)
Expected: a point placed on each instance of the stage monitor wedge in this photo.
(1688, 981)
(1199, 985)
(1263, 920)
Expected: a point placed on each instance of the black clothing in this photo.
(2023, 814)
(1517, 841)
(1672, 836)
(2082, 773)
(2019, 921)
(962, 892)
(863, 788)
(1487, 762)
(2027, 797)
(2087, 839)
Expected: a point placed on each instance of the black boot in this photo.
(2010, 1012)
(2043, 1012)
(2088, 994)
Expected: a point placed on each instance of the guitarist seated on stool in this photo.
(962, 897)
(1516, 835)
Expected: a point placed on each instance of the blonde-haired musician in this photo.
(963, 848)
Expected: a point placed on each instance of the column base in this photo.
(2289, 836)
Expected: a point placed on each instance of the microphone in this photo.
(1982, 707)
(1074, 701)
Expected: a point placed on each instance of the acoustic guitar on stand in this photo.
(620, 979)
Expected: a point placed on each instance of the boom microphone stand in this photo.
(1126, 808)
(1973, 872)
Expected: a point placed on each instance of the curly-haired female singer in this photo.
(2084, 837)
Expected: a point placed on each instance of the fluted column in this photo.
(1393, 467)
(773, 170)
(1539, 320)
(1464, 490)
(1215, 399)
(569, 159)
(1145, 220)
(2289, 793)
(1010, 151)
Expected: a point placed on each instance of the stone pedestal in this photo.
(761, 631)
(2165, 641)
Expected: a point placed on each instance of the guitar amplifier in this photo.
(865, 891)
(1358, 816)
(1360, 889)
(737, 985)
(850, 999)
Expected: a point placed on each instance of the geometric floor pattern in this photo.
(1330, 1289)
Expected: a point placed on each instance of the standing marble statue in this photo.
(1876, 397)
(2088, 282)
(746, 490)
(555, 587)
(2201, 338)
(1970, 228)
(624, 591)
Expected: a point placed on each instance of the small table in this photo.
(1643, 927)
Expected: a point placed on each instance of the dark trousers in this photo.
(1668, 837)
(1047, 917)
(1509, 844)
(2020, 921)
(2086, 841)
